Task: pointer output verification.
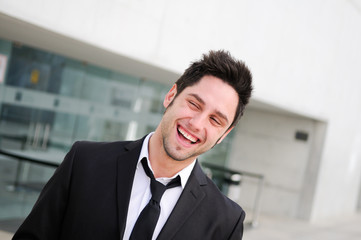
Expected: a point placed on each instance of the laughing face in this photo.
(198, 118)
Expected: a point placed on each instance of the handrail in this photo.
(231, 171)
(28, 159)
(256, 206)
(257, 200)
(21, 159)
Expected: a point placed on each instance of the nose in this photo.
(197, 122)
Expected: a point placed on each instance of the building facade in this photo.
(70, 63)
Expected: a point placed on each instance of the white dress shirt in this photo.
(141, 193)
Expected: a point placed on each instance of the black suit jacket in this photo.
(88, 196)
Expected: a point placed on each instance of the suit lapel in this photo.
(188, 202)
(126, 164)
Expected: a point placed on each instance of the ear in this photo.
(224, 135)
(170, 96)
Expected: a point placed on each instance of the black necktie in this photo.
(148, 218)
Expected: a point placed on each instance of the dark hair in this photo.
(222, 65)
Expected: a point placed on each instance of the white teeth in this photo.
(187, 136)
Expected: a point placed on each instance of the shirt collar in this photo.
(144, 151)
(184, 173)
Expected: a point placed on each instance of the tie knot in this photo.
(147, 220)
(156, 187)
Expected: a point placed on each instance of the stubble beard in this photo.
(168, 149)
(171, 151)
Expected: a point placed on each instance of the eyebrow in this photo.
(218, 113)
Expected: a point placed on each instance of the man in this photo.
(107, 190)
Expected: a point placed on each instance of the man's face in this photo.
(198, 118)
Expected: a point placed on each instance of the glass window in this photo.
(52, 101)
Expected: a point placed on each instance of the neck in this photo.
(162, 164)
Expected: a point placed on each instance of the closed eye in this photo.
(215, 121)
(194, 105)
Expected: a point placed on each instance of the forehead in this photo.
(216, 94)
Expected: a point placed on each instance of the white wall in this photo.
(305, 57)
(265, 143)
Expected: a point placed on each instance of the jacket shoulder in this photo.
(91, 145)
(219, 199)
(214, 196)
(88, 152)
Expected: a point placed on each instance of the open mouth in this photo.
(187, 136)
